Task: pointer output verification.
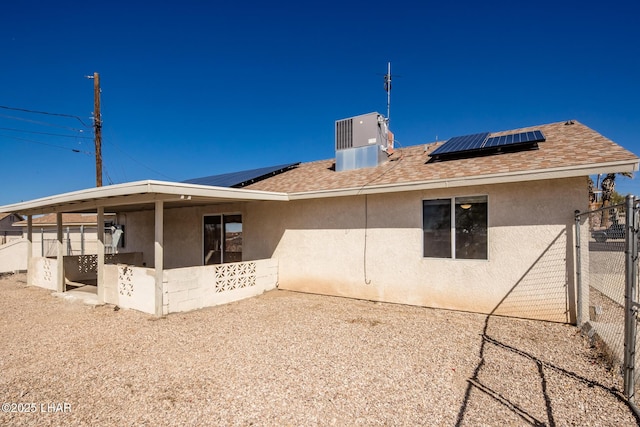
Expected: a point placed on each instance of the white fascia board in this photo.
(499, 178)
(158, 190)
(195, 190)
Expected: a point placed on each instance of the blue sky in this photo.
(197, 88)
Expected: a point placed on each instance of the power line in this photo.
(42, 123)
(107, 174)
(75, 150)
(46, 133)
(25, 110)
(136, 161)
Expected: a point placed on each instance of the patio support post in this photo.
(159, 256)
(100, 266)
(81, 239)
(29, 247)
(60, 254)
(69, 241)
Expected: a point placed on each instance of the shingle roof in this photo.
(4, 215)
(566, 145)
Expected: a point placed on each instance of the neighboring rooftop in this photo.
(4, 215)
(71, 219)
(570, 149)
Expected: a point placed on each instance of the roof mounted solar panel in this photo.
(241, 178)
(482, 144)
(459, 144)
(515, 138)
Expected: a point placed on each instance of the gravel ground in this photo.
(287, 358)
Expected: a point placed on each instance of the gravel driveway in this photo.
(287, 358)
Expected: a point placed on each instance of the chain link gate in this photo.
(607, 284)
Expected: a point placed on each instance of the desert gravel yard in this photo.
(287, 358)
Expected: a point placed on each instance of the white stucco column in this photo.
(60, 254)
(29, 247)
(100, 249)
(159, 255)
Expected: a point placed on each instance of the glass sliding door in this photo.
(222, 239)
(232, 247)
(213, 239)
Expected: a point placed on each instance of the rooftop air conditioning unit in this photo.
(362, 141)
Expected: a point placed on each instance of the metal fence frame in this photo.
(631, 304)
(48, 246)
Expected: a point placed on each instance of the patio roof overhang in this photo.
(139, 195)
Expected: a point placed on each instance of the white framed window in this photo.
(455, 227)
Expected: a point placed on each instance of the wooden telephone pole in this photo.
(97, 125)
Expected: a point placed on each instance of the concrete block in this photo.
(595, 312)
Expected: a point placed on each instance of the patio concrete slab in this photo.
(86, 294)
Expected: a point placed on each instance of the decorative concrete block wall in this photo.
(191, 288)
(43, 273)
(85, 267)
(184, 289)
(130, 287)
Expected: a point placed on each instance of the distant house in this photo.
(481, 223)
(7, 231)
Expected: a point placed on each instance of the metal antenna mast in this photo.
(387, 88)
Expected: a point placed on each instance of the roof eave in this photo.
(137, 192)
(147, 192)
(497, 178)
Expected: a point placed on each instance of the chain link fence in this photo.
(607, 263)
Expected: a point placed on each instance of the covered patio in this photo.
(125, 278)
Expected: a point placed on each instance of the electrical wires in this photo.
(38, 129)
(22, 126)
(24, 110)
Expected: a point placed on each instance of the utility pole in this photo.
(97, 125)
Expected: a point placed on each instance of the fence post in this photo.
(579, 299)
(631, 252)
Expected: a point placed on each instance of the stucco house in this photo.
(12, 253)
(7, 231)
(484, 224)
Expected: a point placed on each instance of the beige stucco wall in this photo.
(13, 256)
(371, 247)
(321, 248)
(183, 238)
